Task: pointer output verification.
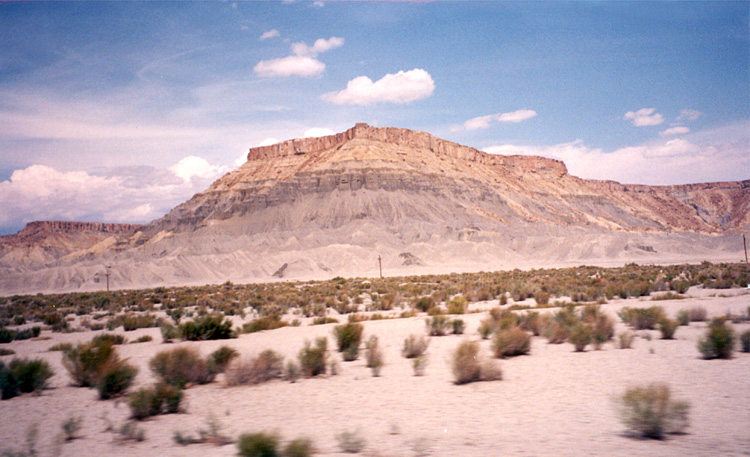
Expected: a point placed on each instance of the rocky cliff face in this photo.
(318, 207)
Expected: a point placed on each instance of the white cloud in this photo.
(709, 156)
(273, 33)
(125, 194)
(320, 45)
(402, 87)
(689, 115)
(290, 66)
(483, 122)
(644, 117)
(317, 131)
(193, 166)
(268, 142)
(678, 130)
(303, 63)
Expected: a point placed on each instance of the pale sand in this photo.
(553, 402)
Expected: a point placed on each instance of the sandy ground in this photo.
(553, 402)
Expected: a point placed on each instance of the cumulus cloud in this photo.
(678, 130)
(317, 131)
(273, 33)
(689, 115)
(644, 117)
(303, 63)
(402, 87)
(719, 155)
(268, 142)
(483, 122)
(124, 194)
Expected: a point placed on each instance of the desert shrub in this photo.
(264, 367)
(142, 339)
(299, 447)
(348, 337)
(419, 364)
(511, 343)
(351, 442)
(626, 339)
(152, 401)
(110, 338)
(414, 346)
(580, 336)
(719, 340)
(181, 366)
(683, 317)
(71, 426)
(4, 351)
(697, 314)
(270, 322)
(313, 360)
(541, 297)
(115, 379)
(130, 431)
(24, 376)
(457, 305)
(169, 332)
(468, 367)
(485, 328)
(220, 358)
(86, 362)
(292, 371)
(207, 327)
(642, 318)
(745, 341)
(531, 322)
(423, 303)
(27, 333)
(258, 445)
(458, 326)
(324, 320)
(667, 327)
(374, 355)
(61, 347)
(6, 335)
(649, 411)
(437, 325)
(555, 332)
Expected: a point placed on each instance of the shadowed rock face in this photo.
(320, 207)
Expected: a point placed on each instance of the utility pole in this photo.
(380, 264)
(107, 274)
(744, 243)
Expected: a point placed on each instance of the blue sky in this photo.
(118, 111)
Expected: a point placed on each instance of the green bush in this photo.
(6, 335)
(152, 401)
(511, 343)
(266, 366)
(324, 320)
(683, 317)
(263, 323)
(667, 327)
(258, 445)
(313, 360)
(697, 314)
(650, 412)
(745, 340)
(423, 303)
(468, 367)
(207, 327)
(348, 337)
(458, 326)
(458, 305)
(437, 325)
(299, 447)
(719, 340)
(220, 358)
(181, 366)
(4, 351)
(24, 376)
(642, 318)
(110, 338)
(580, 336)
(115, 379)
(414, 346)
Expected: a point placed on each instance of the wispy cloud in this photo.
(689, 115)
(303, 63)
(483, 122)
(316, 132)
(401, 87)
(273, 33)
(644, 117)
(677, 130)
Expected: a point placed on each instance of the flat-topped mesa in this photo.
(69, 227)
(404, 137)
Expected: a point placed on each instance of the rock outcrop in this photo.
(320, 207)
